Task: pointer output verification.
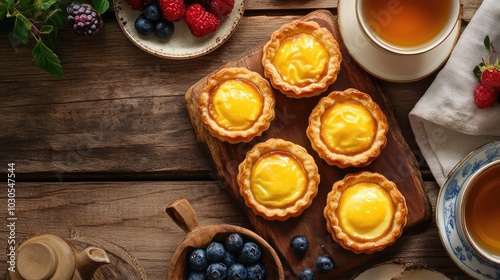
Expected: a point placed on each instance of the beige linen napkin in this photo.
(445, 121)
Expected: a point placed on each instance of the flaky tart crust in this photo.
(315, 85)
(334, 220)
(344, 159)
(261, 119)
(301, 200)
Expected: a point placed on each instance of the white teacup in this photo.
(478, 211)
(408, 26)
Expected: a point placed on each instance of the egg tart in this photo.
(236, 104)
(347, 129)
(365, 212)
(278, 179)
(301, 59)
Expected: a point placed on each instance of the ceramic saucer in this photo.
(182, 44)
(455, 244)
(384, 64)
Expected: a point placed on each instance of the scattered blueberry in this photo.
(234, 243)
(198, 260)
(236, 272)
(306, 274)
(215, 251)
(143, 25)
(164, 29)
(299, 244)
(197, 275)
(216, 271)
(256, 272)
(228, 259)
(250, 253)
(324, 264)
(152, 12)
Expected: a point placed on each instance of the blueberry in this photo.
(299, 244)
(250, 253)
(143, 25)
(164, 28)
(324, 263)
(152, 12)
(256, 272)
(306, 274)
(234, 243)
(196, 275)
(198, 260)
(216, 271)
(228, 259)
(215, 251)
(236, 272)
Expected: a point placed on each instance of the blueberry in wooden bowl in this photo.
(191, 256)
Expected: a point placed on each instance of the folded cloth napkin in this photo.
(446, 122)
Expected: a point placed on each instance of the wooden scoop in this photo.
(197, 236)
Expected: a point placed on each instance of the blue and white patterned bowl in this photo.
(447, 218)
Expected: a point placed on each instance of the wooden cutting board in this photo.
(396, 162)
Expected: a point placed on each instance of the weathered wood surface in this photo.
(396, 162)
(132, 215)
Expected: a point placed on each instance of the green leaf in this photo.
(46, 29)
(20, 33)
(26, 22)
(100, 6)
(56, 20)
(47, 59)
(3, 10)
(487, 43)
(45, 4)
(26, 7)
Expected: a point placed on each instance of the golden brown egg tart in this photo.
(278, 179)
(301, 59)
(365, 212)
(236, 104)
(347, 129)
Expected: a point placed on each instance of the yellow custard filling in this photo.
(236, 104)
(301, 60)
(277, 179)
(348, 128)
(365, 211)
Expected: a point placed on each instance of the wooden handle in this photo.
(183, 215)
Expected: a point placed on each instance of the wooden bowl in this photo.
(197, 236)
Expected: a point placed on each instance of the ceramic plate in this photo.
(386, 65)
(182, 44)
(455, 244)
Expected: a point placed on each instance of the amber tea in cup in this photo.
(480, 212)
(407, 26)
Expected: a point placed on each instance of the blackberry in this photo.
(83, 19)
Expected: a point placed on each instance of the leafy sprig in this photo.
(40, 20)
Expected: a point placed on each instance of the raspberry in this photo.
(221, 7)
(200, 21)
(83, 19)
(172, 10)
(136, 4)
(484, 97)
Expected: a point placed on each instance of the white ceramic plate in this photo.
(383, 64)
(182, 44)
(455, 244)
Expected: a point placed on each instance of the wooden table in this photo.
(102, 151)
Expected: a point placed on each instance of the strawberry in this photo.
(136, 4)
(487, 73)
(200, 21)
(484, 97)
(221, 7)
(172, 10)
